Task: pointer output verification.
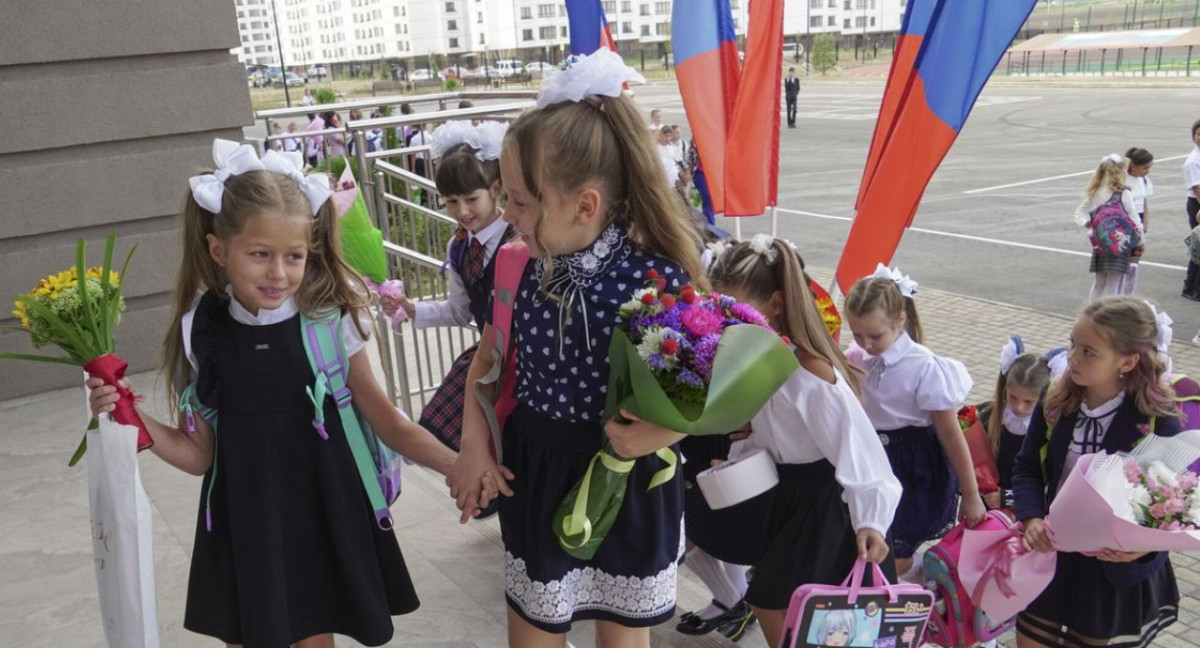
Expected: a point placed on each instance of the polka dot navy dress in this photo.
(562, 378)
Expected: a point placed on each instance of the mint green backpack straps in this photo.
(331, 369)
(190, 406)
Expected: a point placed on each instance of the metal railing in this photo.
(406, 208)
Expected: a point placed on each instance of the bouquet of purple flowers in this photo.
(693, 362)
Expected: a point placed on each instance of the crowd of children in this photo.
(872, 463)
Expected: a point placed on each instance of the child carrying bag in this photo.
(883, 616)
(956, 622)
(510, 265)
(378, 465)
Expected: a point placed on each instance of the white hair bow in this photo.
(600, 74)
(230, 159)
(487, 138)
(447, 136)
(1115, 158)
(907, 286)
(1009, 353)
(1164, 331)
(315, 186)
(763, 244)
(1056, 360)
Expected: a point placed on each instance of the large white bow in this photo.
(315, 186)
(1009, 353)
(602, 73)
(907, 286)
(231, 159)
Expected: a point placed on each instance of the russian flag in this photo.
(733, 109)
(588, 27)
(946, 52)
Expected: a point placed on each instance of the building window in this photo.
(662, 8)
(450, 7)
(452, 25)
(832, 22)
(563, 31)
(645, 30)
(396, 14)
(545, 11)
(610, 6)
(644, 10)
(479, 17)
(526, 13)
(663, 29)
(453, 43)
(860, 22)
(872, 21)
(814, 21)
(833, 4)
(481, 39)
(626, 28)
(846, 24)
(626, 5)
(546, 33)
(526, 34)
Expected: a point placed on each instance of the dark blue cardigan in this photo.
(1033, 493)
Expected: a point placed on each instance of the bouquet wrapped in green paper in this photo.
(694, 363)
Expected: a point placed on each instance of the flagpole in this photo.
(737, 228)
(774, 222)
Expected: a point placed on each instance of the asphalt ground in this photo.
(996, 219)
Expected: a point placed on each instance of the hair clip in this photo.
(1012, 349)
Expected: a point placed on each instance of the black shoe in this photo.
(1190, 295)
(691, 623)
(735, 628)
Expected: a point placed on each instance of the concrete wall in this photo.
(108, 108)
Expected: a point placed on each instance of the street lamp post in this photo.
(287, 95)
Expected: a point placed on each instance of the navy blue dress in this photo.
(562, 378)
(1129, 603)
(294, 550)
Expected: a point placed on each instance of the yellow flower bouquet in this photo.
(78, 317)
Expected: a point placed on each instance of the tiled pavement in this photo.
(47, 591)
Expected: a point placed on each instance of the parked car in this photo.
(538, 68)
(486, 71)
(425, 74)
(318, 71)
(510, 67)
(454, 72)
(293, 80)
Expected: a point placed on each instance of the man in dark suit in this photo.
(791, 91)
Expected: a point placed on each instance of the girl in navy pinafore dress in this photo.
(288, 550)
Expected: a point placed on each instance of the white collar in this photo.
(1104, 409)
(241, 315)
(898, 350)
(487, 234)
(1018, 425)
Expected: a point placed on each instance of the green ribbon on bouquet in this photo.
(751, 363)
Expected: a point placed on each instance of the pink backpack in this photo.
(510, 265)
(884, 616)
(955, 621)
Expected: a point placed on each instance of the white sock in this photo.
(737, 576)
(713, 574)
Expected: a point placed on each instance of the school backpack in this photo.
(511, 259)
(955, 621)
(1113, 232)
(378, 465)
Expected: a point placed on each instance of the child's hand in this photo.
(743, 432)
(972, 511)
(103, 398)
(637, 438)
(992, 500)
(1036, 538)
(871, 546)
(393, 304)
(1118, 556)
(473, 476)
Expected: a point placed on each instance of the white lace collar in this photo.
(1104, 409)
(1018, 425)
(241, 315)
(575, 272)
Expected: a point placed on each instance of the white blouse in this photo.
(1091, 426)
(1191, 171)
(906, 383)
(455, 310)
(288, 309)
(809, 419)
(1140, 188)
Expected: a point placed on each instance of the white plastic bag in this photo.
(122, 537)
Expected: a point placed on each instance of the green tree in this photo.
(385, 69)
(823, 57)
